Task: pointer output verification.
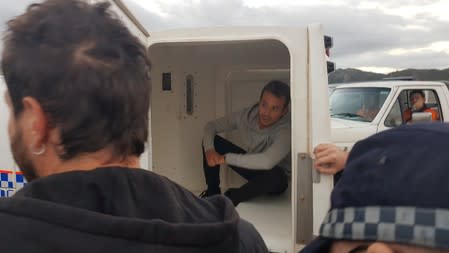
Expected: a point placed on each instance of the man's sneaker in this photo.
(230, 194)
(208, 193)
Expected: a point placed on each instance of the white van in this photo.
(201, 74)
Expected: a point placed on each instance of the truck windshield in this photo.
(358, 104)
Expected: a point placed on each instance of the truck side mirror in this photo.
(328, 44)
(328, 41)
(330, 67)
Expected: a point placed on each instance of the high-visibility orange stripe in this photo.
(11, 171)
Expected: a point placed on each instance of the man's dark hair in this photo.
(420, 92)
(279, 89)
(88, 72)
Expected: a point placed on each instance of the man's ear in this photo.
(36, 121)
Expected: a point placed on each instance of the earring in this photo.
(40, 152)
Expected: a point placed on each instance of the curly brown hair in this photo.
(88, 72)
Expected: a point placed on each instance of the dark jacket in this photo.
(120, 210)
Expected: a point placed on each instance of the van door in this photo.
(312, 197)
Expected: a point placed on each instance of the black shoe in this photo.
(208, 193)
(230, 195)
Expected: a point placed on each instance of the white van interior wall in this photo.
(176, 136)
(228, 76)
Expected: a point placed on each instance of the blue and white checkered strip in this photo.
(418, 226)
(10, 182)
(20, 181)
(7, 180)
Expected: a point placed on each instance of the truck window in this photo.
(403, 107)
(358, 104)
(394, 118)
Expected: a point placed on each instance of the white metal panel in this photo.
(271, 215)
(176, 135)
(319, 119)
(298, 48)
(225, 35)
(444, 100)
(6, 159)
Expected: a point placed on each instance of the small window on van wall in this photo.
(189, 95)
(413, 106)
(166, 81)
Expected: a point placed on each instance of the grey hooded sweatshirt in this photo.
(265, 148)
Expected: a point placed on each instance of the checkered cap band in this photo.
(407, 225)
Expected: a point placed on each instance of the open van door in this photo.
(313, 189)
(201, 74)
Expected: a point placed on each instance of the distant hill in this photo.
(354, 75)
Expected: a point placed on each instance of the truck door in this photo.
(396, 112)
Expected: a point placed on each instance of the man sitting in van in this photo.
(78, 92)
(263, 159)
(418, 101)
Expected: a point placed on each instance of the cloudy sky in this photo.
(379, 36)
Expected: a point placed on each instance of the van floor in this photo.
(272, 217)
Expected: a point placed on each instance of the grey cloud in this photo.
(401, 3)
(12, 9)
(393, 3)
(428, 60)
(8, 11)
(361, 38)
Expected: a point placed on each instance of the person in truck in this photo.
(263, 160)
(370, 107)
(418, 101)
(78, 92)
(330, 159)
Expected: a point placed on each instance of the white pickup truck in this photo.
(359, 110)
